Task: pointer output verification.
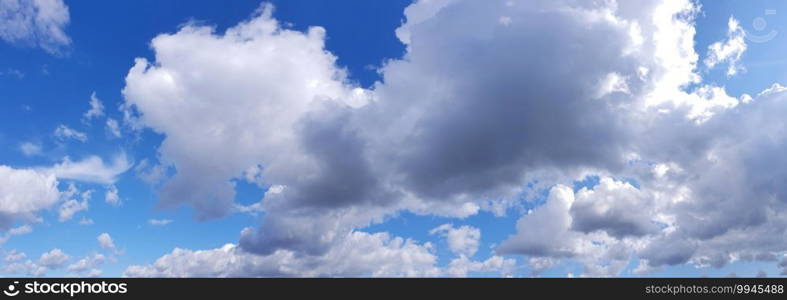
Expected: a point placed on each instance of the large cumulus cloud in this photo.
(229, 102)
(488, 97)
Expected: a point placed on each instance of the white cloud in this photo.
(20, 230)
(87, 265)
(358, 254)
(13, 72)
(150, 173)
(24, 229)
(730, 50)
(38, 23)
(539, 264)
(280, 85)
(86, 221)
(53, 259)
(105, 241)
(71, 207)
(551, 233)
(63, 132)
(27, 267)
(461, 266)
(675, 65)
(112, 197)
(94, 273)
(113, 127)
(776, 88)
(92, 169)
(96, 108)
(23, 193)
(14, 256)
(416, 13)
(463, 240)
(159, 222)
(545, 231)
(611, 83)
(30, 149)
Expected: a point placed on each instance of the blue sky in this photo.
(46, 84)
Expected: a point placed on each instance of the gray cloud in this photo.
(615, 207)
